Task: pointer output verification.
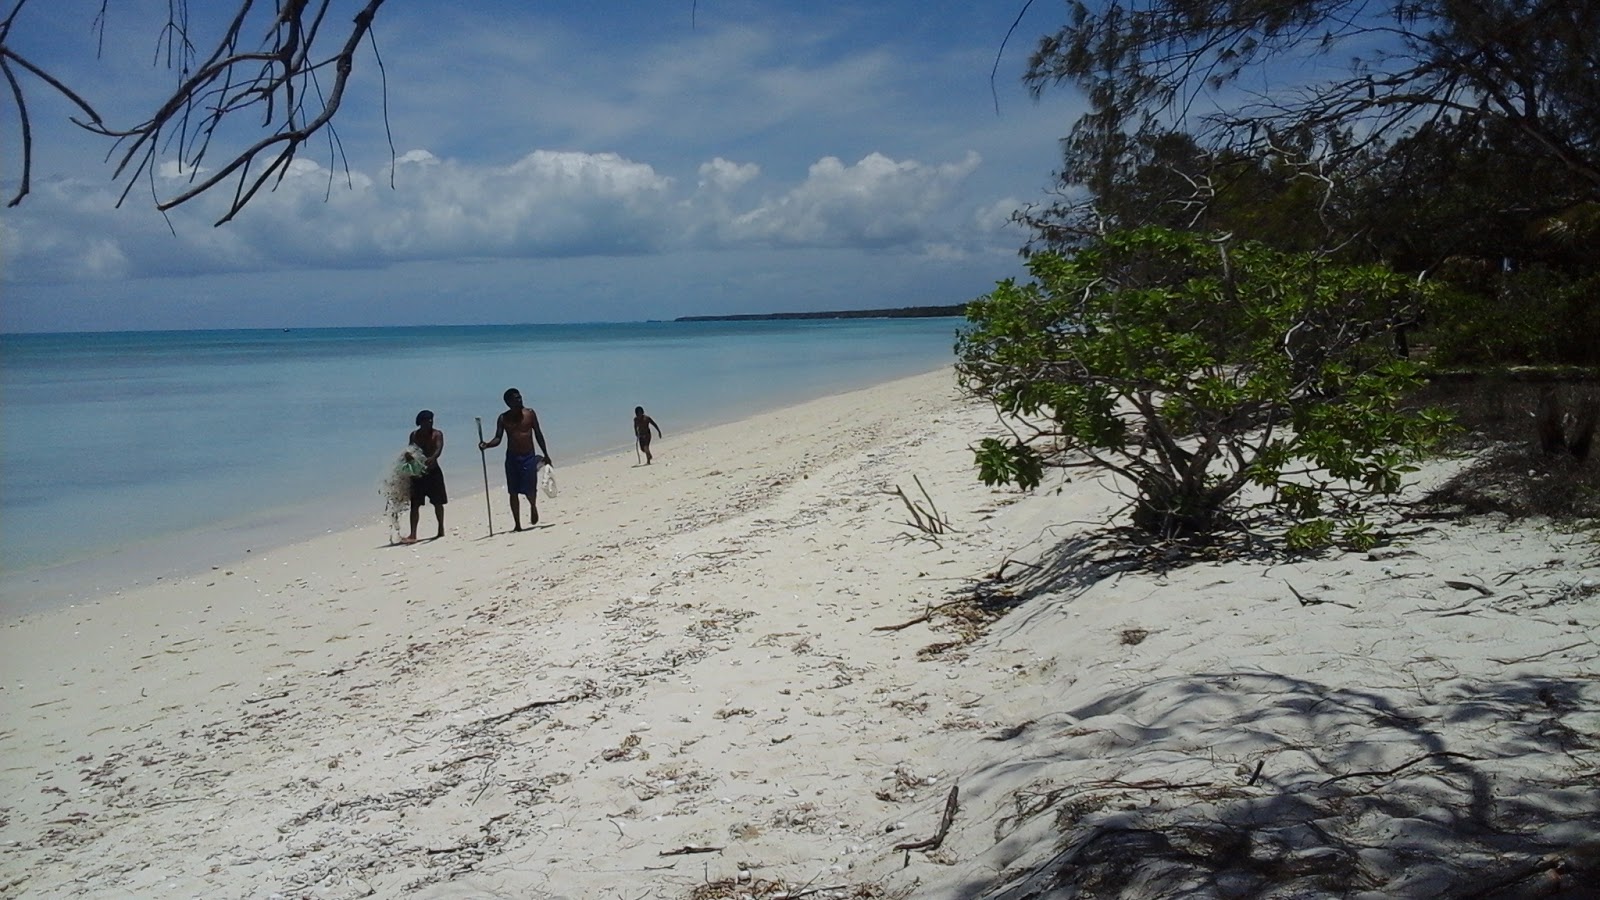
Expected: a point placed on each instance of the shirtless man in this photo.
(522, 460)
(429, 486)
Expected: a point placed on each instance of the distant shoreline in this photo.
(904, 312)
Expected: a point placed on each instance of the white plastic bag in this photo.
(547, 480)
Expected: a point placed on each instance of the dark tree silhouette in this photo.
(247, 98)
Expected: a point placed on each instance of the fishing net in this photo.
(395, 485)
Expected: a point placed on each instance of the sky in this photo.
(585, 161)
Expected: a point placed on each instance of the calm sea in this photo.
(134, 451)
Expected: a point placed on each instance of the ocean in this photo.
(127, 455)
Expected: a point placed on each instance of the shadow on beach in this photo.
(1255, 783)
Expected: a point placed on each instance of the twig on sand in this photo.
(922, 618)
(944, 827)
(926, 615)
(278, 696)
(456, 762)
(1398, 769)
(796, 895)
(1313, 601)
(688, 849)
(1000, 573)
(511, 714)
(1523, 659)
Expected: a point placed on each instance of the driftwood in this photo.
(944, 827)
(688, 849)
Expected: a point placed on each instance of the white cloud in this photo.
(546, 204)
(876, 202)
(722, 175)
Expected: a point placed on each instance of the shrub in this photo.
(1194, 368)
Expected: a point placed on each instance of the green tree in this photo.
(1195, 369)
(1285, 195)
(1527, 65)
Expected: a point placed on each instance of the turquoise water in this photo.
(111, 440)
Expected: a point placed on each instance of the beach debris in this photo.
(1010, 731)
(624, 751)
(933, 843)
(1313, 601)
(930, 524)
(491, 721)
(687, 849)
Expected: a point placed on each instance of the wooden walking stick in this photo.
(484, 457)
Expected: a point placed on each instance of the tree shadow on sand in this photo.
(1275, 786)
(1261, 784)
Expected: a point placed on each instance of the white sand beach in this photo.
(740, 672)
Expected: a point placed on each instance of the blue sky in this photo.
(594, 160)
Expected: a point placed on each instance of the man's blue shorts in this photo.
(522, 473)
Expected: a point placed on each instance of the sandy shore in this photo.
(685, 683)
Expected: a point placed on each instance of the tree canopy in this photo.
(1532, 66)
(1194, 368)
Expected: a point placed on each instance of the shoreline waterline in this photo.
(229, 440)
(139, 563)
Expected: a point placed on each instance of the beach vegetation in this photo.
(1521, 68)
(1456, 141)
(1213, 377)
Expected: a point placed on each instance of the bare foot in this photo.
(409, 540)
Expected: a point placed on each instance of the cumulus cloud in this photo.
(722, 175)
(876, 202)
(547, 204)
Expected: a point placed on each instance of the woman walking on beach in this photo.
(641, 431)
(429, 486)
(522, 460)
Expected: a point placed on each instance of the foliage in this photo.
(1195, 369)
(1468, 201)
(1284, 195)
(254, 83)
(1530, 316)
(1396, 64)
